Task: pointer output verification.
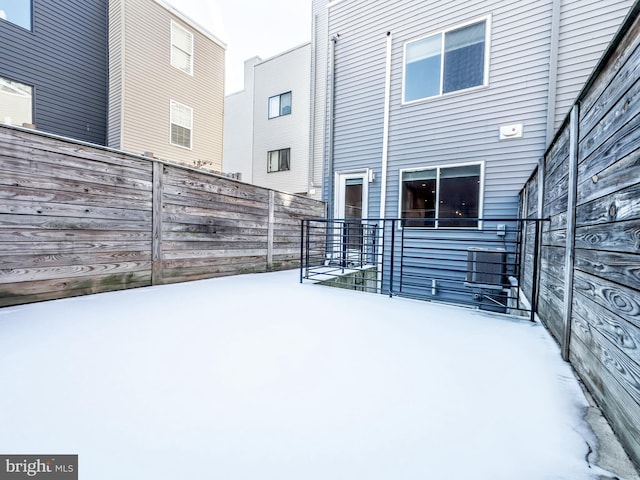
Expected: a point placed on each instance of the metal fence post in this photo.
(302, 248)
(391, 256)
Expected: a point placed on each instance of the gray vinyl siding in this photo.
(586, 28)
(359, 89)
(457, 128)
(65, 58)
(460, 127)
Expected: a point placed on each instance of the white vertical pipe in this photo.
(385, 129)
(385, 153)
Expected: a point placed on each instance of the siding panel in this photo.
(65, 59)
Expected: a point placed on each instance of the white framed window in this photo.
(448, 61)
(181, 48)
(16, 102)
(280, 105)
(279, 160)
(17, 12)
(442, 196)
(181, 125)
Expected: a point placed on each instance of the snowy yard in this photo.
(259, 377)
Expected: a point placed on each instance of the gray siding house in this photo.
(53, 74)
(442, 109)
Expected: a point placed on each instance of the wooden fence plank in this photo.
(620, 205)
(77, 219)
(615, 237)
(608, 394)
(618, 299)
(621, 268)
(596, 97)
(621, 333)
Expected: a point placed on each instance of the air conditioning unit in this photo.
(486, 266)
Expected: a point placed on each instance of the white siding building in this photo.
(238, 127)
(275, 124)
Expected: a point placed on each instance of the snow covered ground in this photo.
(259, 377)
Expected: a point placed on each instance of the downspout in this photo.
(330, 116)
(385, 129)
(312, 104)
(553, 70)
(385, 156)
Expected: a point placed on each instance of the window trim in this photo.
(172, 45)
(442, 33)
(278, 150)
(171, 104)
(279, 105)
(439, 167)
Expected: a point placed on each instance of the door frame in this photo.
(339, 195)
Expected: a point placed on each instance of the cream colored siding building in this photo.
(166, 84)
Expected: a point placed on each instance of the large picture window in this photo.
(280, 105)
(16, 102)
(181, 125)
(17, 12)
(446, 62)
(181, 48)
(278, 160)
(441, 196)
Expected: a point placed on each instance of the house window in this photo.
(446, 62)
(280, 105)
(278, 160)
(181, 48)
(181, 125)
(17, 12)
(441, 196)
(16, 102)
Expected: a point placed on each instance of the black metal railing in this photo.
(486, 266)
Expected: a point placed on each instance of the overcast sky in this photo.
(251, 28)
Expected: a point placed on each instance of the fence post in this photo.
(569, 255)
(156, 223)
(271, 222)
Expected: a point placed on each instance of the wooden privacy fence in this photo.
(588, 184)
(78, 219)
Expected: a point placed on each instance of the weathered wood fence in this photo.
(78, 219)
(588, 184)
